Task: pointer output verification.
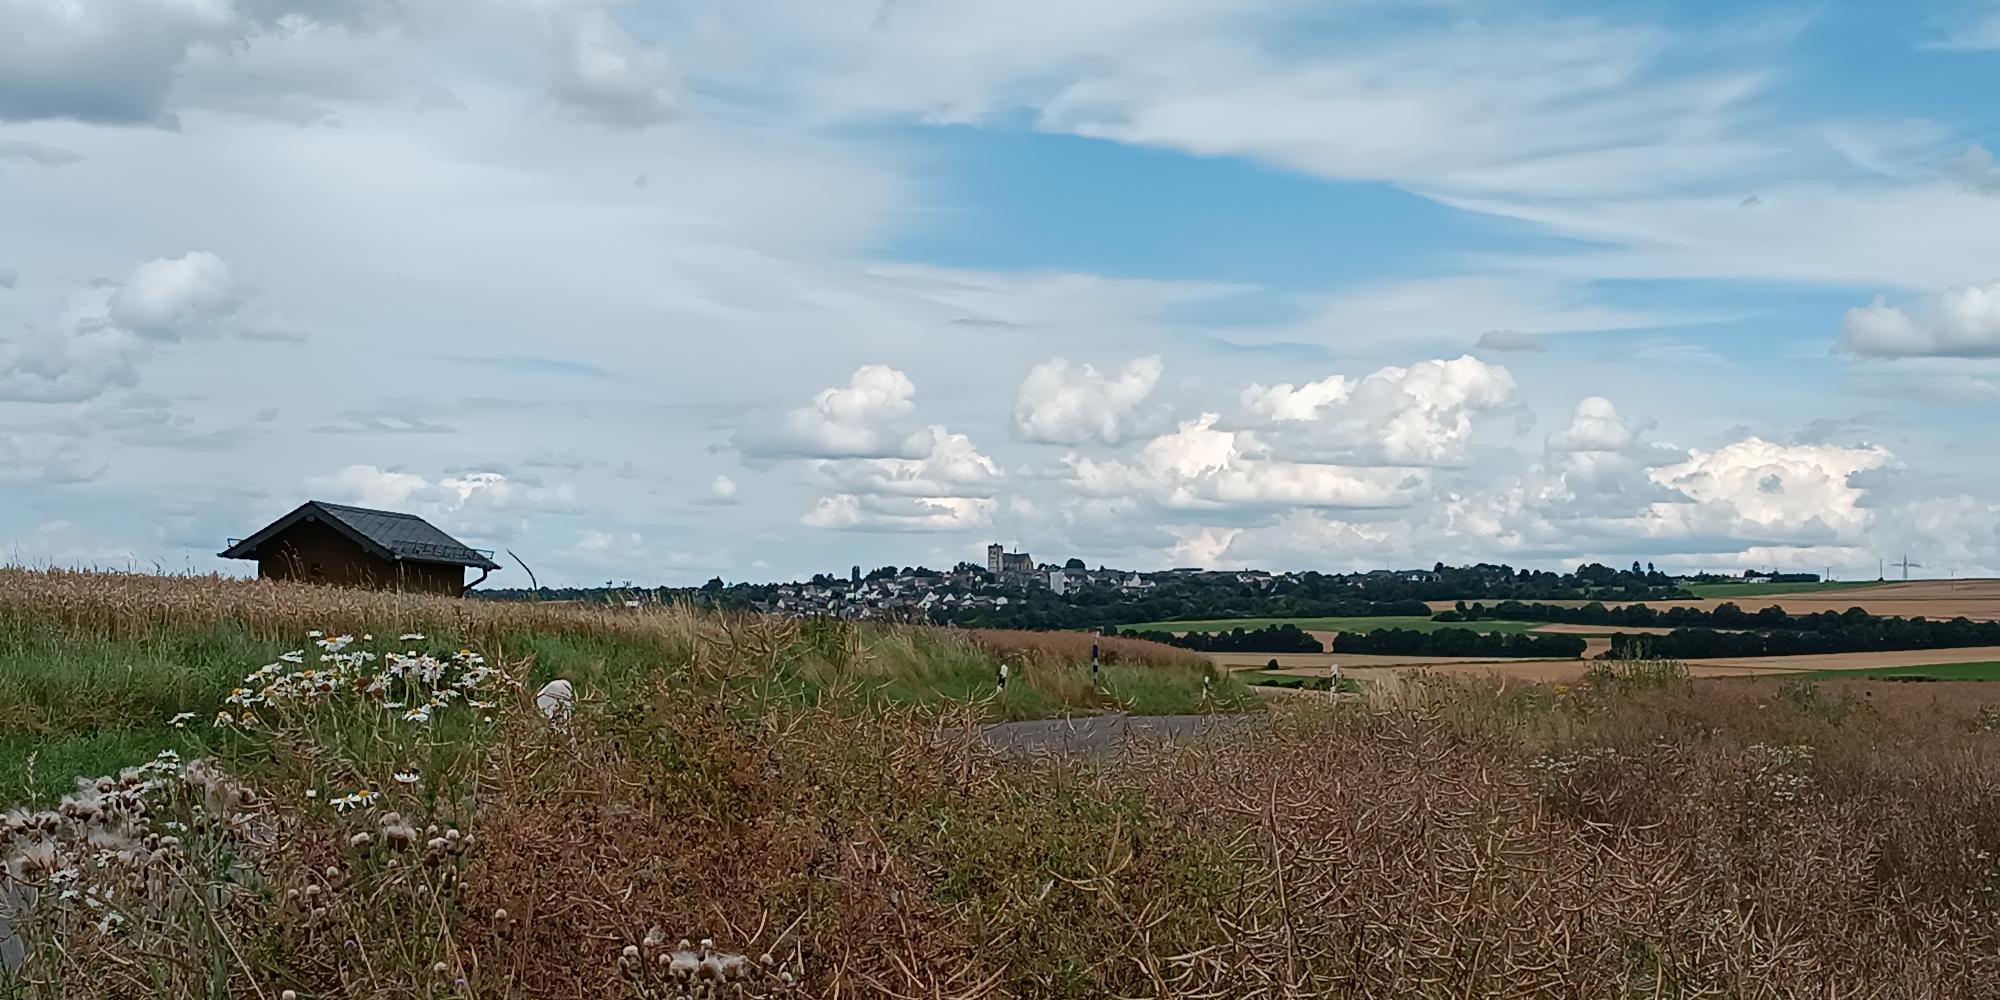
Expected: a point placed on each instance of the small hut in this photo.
(346, 546)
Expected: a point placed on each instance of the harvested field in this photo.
(1977, 599)
(1749, 665)
(1317, 662)
(1571, 670)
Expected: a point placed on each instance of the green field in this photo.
(1365, 624)
(1989, 671)
(1726, 591)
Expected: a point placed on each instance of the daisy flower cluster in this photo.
(414, 685)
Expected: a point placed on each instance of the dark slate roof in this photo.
(384, 533)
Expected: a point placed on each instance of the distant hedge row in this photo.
(1730, 631)
(1458, 642)
(1879, 634)
(1284, 638)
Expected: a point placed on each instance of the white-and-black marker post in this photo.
(1333, 680)
(1094, 633)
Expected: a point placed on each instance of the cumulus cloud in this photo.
(1064, 403)
(1419, 415)
(721, 492)
(175, 298)
(856, 420)
(847, 512)
(1198, 465)
(1754, 486)
(606, 74)
(951, 467)
(106, 330)
(952, 485)
(1959, 323)
(1595, 426)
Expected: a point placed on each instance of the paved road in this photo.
(1103, 733)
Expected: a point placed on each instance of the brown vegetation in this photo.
(1635, 835)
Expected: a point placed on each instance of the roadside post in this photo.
(1333, 680)
(1094, 634)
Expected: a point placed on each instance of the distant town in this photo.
(1013, 590)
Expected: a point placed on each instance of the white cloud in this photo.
(1594, 426)
(721, 490)
(1960, 323)
(1511, 103)
(108, 329)
(487, 503)
(848, 512)
(856, 420)
(1756, 487)
(950, 467)
(1062, 403)
(606, 74)
(1419, 415)
(47, 458)
(1198, 466)
(175, 298)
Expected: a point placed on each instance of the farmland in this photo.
(1975, 599)
(1355, 624)
(1984, 670)
(819, 794)
(1739, 591)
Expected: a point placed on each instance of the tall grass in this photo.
(765, 787)
(92, 664)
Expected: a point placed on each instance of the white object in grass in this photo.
(555, 700)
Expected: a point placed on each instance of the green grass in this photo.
(1726, 591)
(1264, 678)
(1989, 671)
(80, 704)
(1362, 624)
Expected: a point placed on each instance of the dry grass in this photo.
(1074, 647)
(1638, 836)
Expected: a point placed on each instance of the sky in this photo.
(656, 292)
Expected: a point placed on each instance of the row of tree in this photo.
(1458, 642)
(1853, 622)
(1285, 638)
(1871, 635)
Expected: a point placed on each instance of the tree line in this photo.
(1285, 638)
(1459, 642)
(1871, 635)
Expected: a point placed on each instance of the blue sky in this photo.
(659, 291)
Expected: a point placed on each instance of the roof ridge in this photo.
(366, 510)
